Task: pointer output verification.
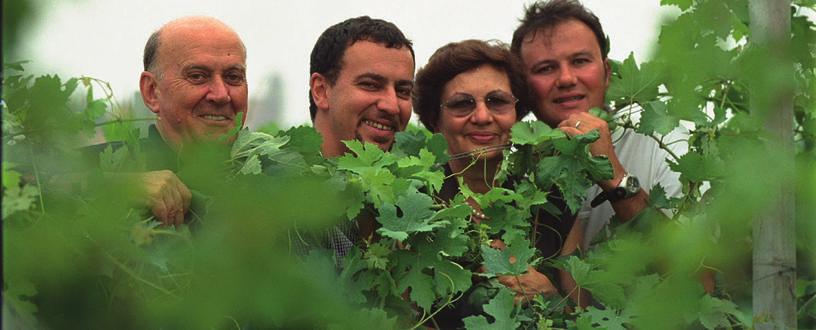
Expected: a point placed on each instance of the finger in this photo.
(186, 196)
(171, 206)
(176, 206)
(159, 209)
(570, 131)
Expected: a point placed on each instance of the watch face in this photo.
(632, 185)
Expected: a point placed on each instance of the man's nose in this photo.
(219, 93)
(389, 102)
(566, 77)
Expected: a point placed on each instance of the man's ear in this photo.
(319, 85)
(150, 91)
(607, 72)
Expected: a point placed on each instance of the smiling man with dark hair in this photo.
(362, 72)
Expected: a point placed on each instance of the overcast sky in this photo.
(105, 38)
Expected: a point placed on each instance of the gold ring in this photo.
(578, 123)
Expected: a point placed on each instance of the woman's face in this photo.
(478, 110)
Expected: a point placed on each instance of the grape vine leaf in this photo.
(112, 161)
(714, 312)
(633, 84)
(511, 261)
(682, 4)
(606, 318)
(11, 178)
(15, 301)
(417, 216)
(533, 133)
(18, 199)
(378, 318)
(377, 256)
(501, 309)
(421, 285)
(371, 164)
(305, 141)
(422, 168)
(450, 278)
(439, 147)
(656, 119)
(695, 167)
(408, 142)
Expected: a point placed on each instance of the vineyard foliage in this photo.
(80, 248)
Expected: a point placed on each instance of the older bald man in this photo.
(194, 80)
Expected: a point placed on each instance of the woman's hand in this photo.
(528, 285)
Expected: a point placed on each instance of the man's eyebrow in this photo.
(237, 67)
(195, 67)
(581, 53)
(405, 83)
(372, 75)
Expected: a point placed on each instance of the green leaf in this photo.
(251, 166)
(578, 269)
(682, 4)
(417, 216)
(439, 147)
(695, 167)
(377, 256)
(112, 161)
(533, 133)
(498, 262)
(451, 278)
(501, 309)
(305, 141)
(606, 318)
(714, 312)
(16, 298)
(368, 155)
(11, 178)
(633, 84)
(421, 288)
(409, 142)
(655, 119)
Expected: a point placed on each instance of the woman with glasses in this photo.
(472, 92)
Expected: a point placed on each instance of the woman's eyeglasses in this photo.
(463, 105)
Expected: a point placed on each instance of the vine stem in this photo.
(37, 179)
(133, 274)
(119, 120)
(425, 318)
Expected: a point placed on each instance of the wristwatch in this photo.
(628, 187)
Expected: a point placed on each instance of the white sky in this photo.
(105, 38)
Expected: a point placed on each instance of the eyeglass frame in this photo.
(475, 103)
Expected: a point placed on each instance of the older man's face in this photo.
(199, 83)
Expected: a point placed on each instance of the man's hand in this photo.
(585, 122)
(167, 197)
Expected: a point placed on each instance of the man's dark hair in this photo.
(547, 14)
(151, 47)
(459, 57)
(327, 54)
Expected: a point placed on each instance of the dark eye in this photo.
(494, 100)
(369, 85)
(461, 105)
(580, 60)
(544, 69)
(234, 78)
(197, 77)
(404, 92)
